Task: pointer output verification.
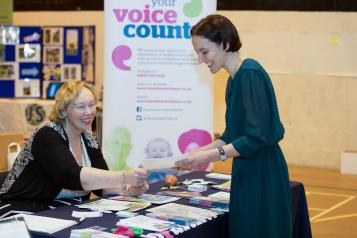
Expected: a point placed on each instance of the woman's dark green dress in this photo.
(260, 194)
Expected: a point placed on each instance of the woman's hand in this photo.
(133, 191)
(136, 177)
(196, 160)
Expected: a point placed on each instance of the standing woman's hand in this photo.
(136, 177)
(196, 160)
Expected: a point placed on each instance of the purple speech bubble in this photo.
(119, 55)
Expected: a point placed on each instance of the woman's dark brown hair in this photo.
(218, 29)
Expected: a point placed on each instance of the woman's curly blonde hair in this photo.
(65, 95)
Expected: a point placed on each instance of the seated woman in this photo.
(62, 159)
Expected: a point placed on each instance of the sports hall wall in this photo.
(318, 109)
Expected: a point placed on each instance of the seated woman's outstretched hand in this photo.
(137, 190)
(136, 177)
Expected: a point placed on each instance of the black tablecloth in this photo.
(214, 228)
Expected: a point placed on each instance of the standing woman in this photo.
(260, 194)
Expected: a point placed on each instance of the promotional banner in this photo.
(158, 101)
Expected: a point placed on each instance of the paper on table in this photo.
(146, 223)
(105, 204)
(161, 163)
(46, 224)
(220, 195)
(114, 205)
(158, 199)
(78, 214)
(219, 176)
(180, 210)
(88, 232)
(14, 227)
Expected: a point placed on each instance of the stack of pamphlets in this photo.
(172, 210)
(220, 195)
(129, 199)
(219, 176)
(184, 194)
(114, 205)
(184, 221)
(146, 223)
(92, 233)
(212, 202)
(148, 198)
(226, 186)
(158, 199)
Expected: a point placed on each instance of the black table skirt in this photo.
(214, 228)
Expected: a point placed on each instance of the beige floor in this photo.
(331, 198)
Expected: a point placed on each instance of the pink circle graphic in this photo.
(120, 54)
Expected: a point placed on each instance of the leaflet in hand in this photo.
(161, 163)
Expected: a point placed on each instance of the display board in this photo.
(20, 61)
(157, 100)
(32, 57)
(68, 54)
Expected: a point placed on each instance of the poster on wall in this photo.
(43, 55)
(71, 72)
(8, 70)
(88, 54)
(9, 35)
(20, 61)
(27, 88)
(53, 35)
(157, 100)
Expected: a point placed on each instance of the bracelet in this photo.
(123, 181)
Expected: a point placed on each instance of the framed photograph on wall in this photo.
(71, 72)
(51, 72)
(72, 47)
(28, 53)
(53, 35)
(2, 53)
(8, 70)
(52, 55)
(88, 54)
(27, 88)
(9, 35)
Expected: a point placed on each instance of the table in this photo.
(214, 228)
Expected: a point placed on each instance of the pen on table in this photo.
(101, 210)
(80, 220)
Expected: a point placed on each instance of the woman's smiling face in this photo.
(81, 111)
(209, 53)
